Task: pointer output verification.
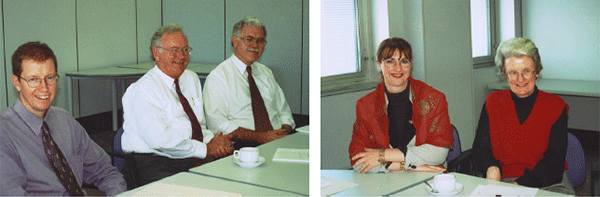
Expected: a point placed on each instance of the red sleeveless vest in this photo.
(519, 146)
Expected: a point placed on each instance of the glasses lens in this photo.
(52, 80)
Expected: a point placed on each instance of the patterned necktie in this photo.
(196, 129)
(259, 111)
(59, 163)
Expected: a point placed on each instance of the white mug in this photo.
(444, 183)
(246, 154)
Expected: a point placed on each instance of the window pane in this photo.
(507, 19)
(339, 37)
(480, 28)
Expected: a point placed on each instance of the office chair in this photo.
(121, 159)
(575, 160)
(456, 158)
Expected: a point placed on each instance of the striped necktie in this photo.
(59, 163)
(259, 111)
(196, 129)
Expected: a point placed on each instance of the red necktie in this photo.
(261, 117)
(196, 129)
(59, 163)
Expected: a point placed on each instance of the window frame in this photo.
(367, 77)
(495, 36)
(488, 60)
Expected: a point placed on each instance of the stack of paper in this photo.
(293, 155)
(164, 189)
(334, 186)
(495, 190)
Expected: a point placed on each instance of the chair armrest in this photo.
(464, 161)
(131, 163)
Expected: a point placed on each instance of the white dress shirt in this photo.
(155, 121)
(227, 97)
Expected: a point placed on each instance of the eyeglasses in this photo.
(35, 82)
(174, 50)
(391, 63)
(249, 39)
(527, 74)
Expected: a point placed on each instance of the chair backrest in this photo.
(576, 161)
(118, 162)
(455, 152)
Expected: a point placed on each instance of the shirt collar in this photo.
(164, 77)
(31, 120)
(239, 64)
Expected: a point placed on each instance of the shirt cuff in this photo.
(201, 149)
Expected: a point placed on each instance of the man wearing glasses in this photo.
(164, 121)
(43, 149)
(241, 96)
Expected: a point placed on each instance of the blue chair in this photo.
(457, 160)
(576, 161)
(454, 152)
(121, 159)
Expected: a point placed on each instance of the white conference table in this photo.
(377, 184)
(469, 184)
(117, 74)
(190, 184)
(287, 176)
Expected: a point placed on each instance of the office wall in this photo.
(4, 81)
(567, 35)
(95, 34)
(52, 22)
(338, 113)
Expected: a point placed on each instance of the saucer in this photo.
(260, 161)
(457, 189)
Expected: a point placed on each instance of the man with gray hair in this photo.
(241, 96)
(164, 120)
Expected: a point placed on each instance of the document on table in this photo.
(334, 186)
(293, 155)
(303, 129)
(164, 189)
(495, 190)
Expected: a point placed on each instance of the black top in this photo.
(401, 131)
(545, 172)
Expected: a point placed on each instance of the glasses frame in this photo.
(249, 39)
(522, 74)
(173, 51)
(397, 62)
(35, 82)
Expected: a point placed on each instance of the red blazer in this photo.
(430, 118)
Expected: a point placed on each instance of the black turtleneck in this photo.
(399, 114)
(524, 105)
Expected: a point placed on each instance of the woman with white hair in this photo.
(522, 133)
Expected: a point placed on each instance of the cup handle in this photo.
(236, 154)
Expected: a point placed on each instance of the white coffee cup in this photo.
(444, 183)
(246, 154)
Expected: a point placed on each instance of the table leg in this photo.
(70, 95)
(115, 117)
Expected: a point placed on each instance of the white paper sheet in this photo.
(336, 186)
(494, 190)
(303, 129)
(164, 189)
(325, 183)
(293, 155)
